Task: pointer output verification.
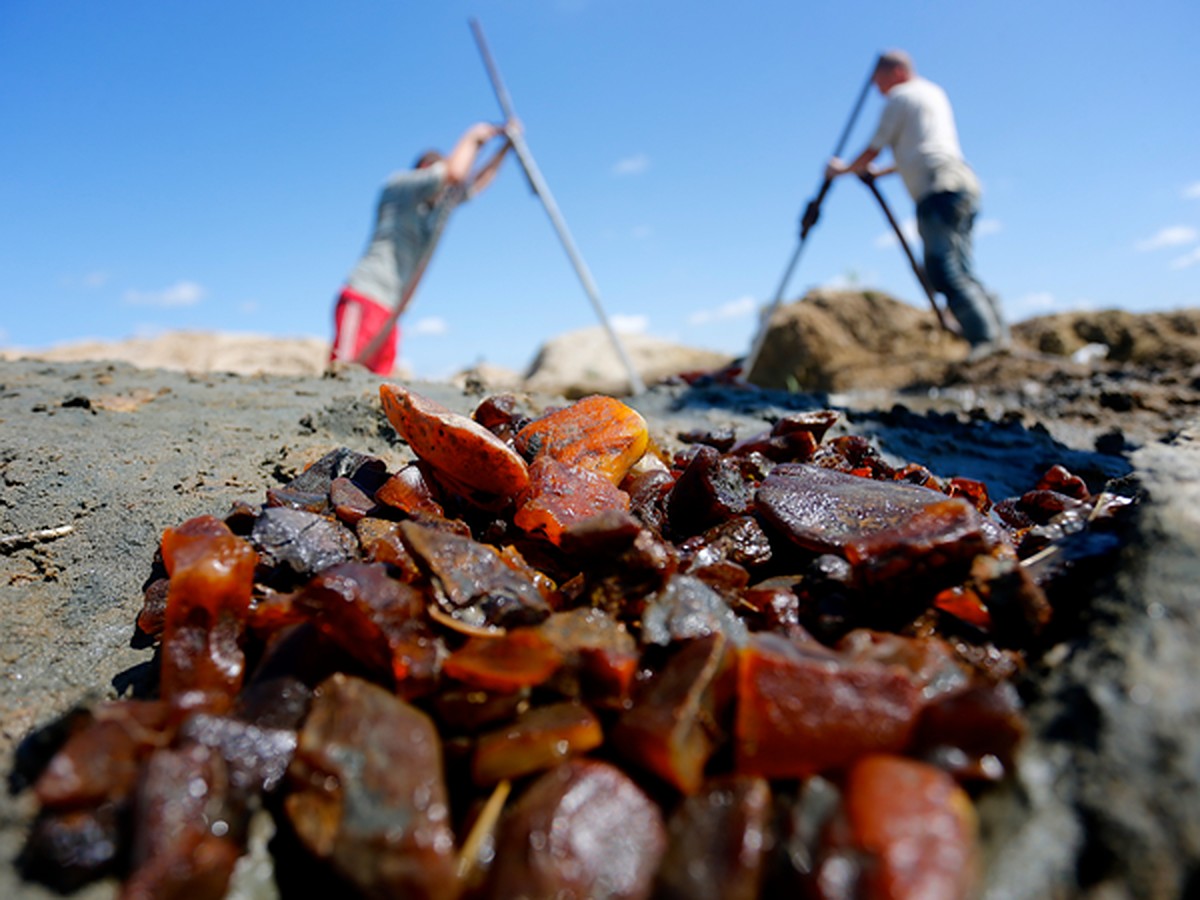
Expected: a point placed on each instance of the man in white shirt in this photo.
(917, 124)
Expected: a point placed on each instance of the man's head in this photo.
(427, 159)
(894, 67)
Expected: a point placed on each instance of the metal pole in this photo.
(811, 213)
(918, 269)
(543, 191)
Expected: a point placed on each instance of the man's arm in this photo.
(462, 157)
(487, 172)
(861, 165)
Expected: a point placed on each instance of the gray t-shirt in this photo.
(918, 125)
(406, 217)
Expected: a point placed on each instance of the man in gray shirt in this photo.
(918, 125)
(413, 207)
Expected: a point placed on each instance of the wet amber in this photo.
(917, 827)
(454, 444)
(212, 574)
(600, 434)
(539, 739)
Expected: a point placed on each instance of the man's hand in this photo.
(482, 132)
(834, 168)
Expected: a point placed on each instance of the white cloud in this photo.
(248, 307)
(430, 325)
(1192, 191)
(1189, 259)
(984, 227)
(182, 293)
(641, 232)
(629, 324)
(734, 309)
(632, 165)
(1172, 236)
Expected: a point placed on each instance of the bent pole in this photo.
(917, 268)
(543, 191)
(811, 213)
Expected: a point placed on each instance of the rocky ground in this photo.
(96, 459)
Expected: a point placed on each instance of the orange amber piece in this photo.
(964, 603)
(541, 738)
(597, 433)
(516, 659)
(804, 709)
(454, 444)
(672, 730)
(211, 578)
(562, 495)
(917, 826)
(408, 492)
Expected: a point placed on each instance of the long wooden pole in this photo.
(543, 191)
(917, 268)
(811, 212)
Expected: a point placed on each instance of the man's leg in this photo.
(357, 318)
(944, 221)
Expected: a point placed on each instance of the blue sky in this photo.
(213, 164)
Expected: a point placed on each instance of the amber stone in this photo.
(719, 839)
(454, 444)
(506, 662)
(824, 509)
(916, 825)
(539, 739)
(212, 575)
(369, 793)
(597, 433)
(583, 829)
(676, 725)
(804, 709)
(561, 496)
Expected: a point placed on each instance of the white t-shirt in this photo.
(405, 221)
(918, 125)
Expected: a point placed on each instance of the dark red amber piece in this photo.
(803, 708)
(917, 827)
(212, 575)
(369, 794)
(583, 829)
(823, 509)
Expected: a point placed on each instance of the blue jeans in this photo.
(945, 221)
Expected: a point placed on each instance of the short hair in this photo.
(890, 60)
(428, 158)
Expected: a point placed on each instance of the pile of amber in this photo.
(543, 659)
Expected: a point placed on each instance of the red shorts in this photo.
(356, 320)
